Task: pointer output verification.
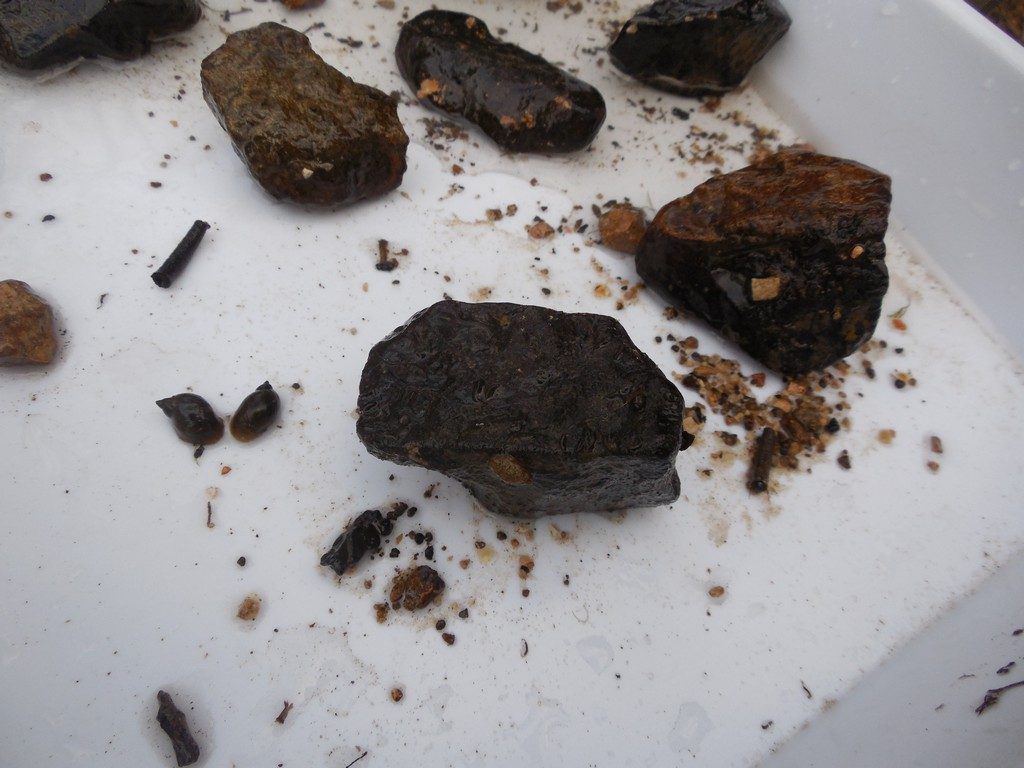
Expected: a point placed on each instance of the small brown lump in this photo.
(250, 608)
(415, 588)
(622, 228)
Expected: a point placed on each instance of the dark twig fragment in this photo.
(180, 256)
(172, 721)
(761, 466)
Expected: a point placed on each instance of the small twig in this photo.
(228, 14)
(992, 696)
(806, 690)
(209, 515)
(384, 261)
(284, 712)
(357, 760)
(761, 465)
(181, 255)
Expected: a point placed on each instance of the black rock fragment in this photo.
(172, 721)
(256, 414)
(785, 257)
(536, 412)
(306, 132)
(35, 34)
(194, 420)
(362, 535)
(523, 102)
(698, 47)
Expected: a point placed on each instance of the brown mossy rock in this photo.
(307, 133)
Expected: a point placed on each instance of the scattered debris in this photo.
(415, 588)
(385, 262)
(288, 706)
(993, 694)
(249, 608)
(359, 537)
(540, 230)
(622, 228)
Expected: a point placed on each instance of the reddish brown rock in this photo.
(415, 588)
(784, 257)
(26, 326)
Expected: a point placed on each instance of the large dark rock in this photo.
(307, 132)
(35, 34)
(536, 412)
(698, 47)
(521, 101)
(784, 257)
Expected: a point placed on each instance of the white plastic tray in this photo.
(114, 586)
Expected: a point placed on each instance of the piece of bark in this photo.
(172, 721)
(306, 132)
(362, 535)
(26, 326)
(785, 257)
(523, 102)
(537, 412)
(698, 47)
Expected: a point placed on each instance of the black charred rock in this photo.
(698, 47)
(362, 535)
(524, 103)
(536, 412)
(784, 257)
(306, 132)
(35, 34)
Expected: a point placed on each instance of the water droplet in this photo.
(597, 652)
(691, 726)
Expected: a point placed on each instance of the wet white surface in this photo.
(113, 586)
